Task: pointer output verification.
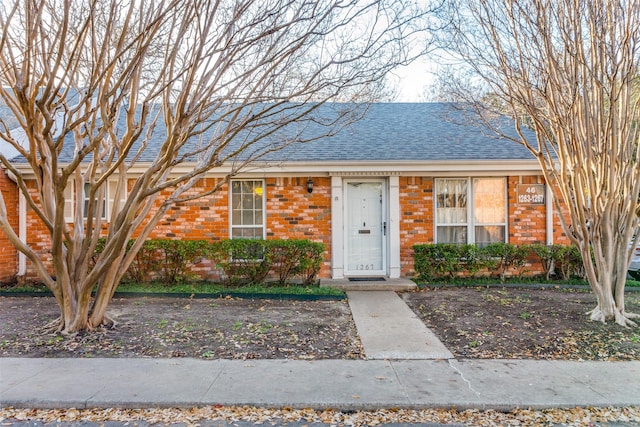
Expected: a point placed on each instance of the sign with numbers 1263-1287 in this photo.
(531, 194)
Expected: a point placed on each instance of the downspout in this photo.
(549, 215)
(22, 232)
(22, 227)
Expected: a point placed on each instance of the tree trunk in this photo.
(80, 320)
(603, 282)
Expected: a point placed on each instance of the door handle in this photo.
(384, 228)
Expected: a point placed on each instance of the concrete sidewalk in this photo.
(339, 384)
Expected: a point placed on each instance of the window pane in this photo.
(246, 233)
(247, 201)
(236, 216)
(451, 199)
(452, 234)
(87, 191)
(489, 201)
(235, 187)
(489, 234)
(254, 233)
(247, 217)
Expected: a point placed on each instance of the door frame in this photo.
(384, 216)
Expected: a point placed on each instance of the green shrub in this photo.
(475, 259)
(446, 259)
(141, 269)
(311, 257)
(569, 262)
(246, 262)
(241, 261)
(285, 257)
(174, 258)
(143, 266)
(434, 260)
(507, 257)
(295, 258)
(548, 256)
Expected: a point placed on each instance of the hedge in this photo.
(238, 261)
(497, 259)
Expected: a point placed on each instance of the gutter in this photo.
(359, 168)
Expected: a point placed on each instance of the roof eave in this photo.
(352, 168)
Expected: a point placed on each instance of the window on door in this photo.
(247, 209)
(471, 210)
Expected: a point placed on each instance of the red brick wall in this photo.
(8, 253)
(201, 219)
(294, 213)
(527, 223)
(559, 236)
(416, 218)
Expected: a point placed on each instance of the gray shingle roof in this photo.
(413, 131)
(417, 132)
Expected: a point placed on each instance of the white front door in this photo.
(366, 228)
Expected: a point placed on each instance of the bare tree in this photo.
(135, 98)
(568, 70)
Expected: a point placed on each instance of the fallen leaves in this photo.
(171, 327)
(192, 416)
(481, 323)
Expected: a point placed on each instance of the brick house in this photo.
(404, 174)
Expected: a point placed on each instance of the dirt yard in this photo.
(472, 323)
(182, 327)
(480, 323)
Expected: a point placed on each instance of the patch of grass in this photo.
(536, 280)
(481, 281)
(208, 354)
(32, 288)
(217, 288)
(201, 288)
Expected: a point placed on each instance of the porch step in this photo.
(397, 285)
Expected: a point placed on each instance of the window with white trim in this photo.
(471, 210)
(109, 201)
(87, 190)
(247, 209)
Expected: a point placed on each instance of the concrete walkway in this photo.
(389, 329)
(339, 384)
